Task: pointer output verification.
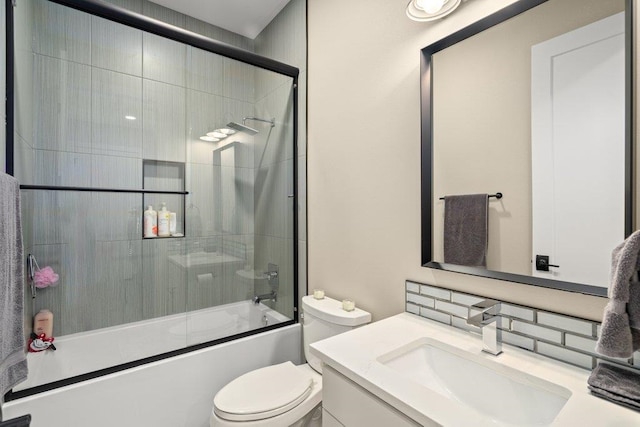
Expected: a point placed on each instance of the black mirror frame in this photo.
(426, 80)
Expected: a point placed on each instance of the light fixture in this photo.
(217, 134)
(130, 117)
(430, 6)
(209, 138)
(430, 10)
(226, 131)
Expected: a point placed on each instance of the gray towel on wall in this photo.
(620, 333)
(13, 361)
(466, 229)
(616, 384)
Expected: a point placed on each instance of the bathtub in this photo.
(91, 351)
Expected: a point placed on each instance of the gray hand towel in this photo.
(466, 229)
(616, 384)
(13, 361)
(620, 333)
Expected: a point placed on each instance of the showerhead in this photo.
(244, 128)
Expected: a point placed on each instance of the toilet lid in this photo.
(263, 393)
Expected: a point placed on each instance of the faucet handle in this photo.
(486, 304)
(488, 320)
(488, 308)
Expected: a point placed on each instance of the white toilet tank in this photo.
(324, 318)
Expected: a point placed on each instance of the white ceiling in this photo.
(244, 17)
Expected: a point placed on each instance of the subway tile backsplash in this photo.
(567, 339)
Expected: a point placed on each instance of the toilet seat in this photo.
(263, 393)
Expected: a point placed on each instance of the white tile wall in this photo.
(581, 343)
(567, 323)
(518, 340)
(163, 127)
(537, 331)
(164, 60)
(412, 287)
(565, 355)
(116, 172)
(238, 80)
(446, 307)
(412, 308)
(62, 101)
(462, 324)
(421, 300)
(205, 71)
(515, 311)
(61, 32)
(23, 80)
(62, 168)
(435, 292)
(114, 96)
(435, 315)
(560, 337)
(465, 299)
(116, 47)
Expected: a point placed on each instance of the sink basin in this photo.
(506, 396)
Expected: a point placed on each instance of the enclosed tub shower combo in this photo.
(120, 123)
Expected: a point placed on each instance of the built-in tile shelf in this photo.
(567, 339)
(170, 176)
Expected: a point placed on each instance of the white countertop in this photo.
(354, 355)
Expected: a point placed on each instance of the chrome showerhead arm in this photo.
(272, 122)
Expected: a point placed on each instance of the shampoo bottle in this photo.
(173, 223)
(42, 335)
(163, 221)
(150, 222)
(43, 323)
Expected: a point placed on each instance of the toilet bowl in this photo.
(285, 394)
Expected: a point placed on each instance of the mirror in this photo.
(483, 117)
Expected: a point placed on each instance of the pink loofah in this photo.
(45, 277)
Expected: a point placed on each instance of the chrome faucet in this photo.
(487, 320)
(273, 296)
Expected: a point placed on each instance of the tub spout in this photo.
(271, 296)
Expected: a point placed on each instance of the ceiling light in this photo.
(226, 131)
(217, 134)
(430, 6)
(430, 10)
(130, 117)
(209, 138)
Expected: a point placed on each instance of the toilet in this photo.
(286, 394)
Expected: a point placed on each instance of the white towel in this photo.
(13, 359)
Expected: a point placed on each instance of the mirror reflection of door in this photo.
(578, 128)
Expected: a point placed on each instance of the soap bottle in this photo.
(43, 323)
(163, 221)
(150, 222)
(173, 222)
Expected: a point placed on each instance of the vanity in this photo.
(410, 371)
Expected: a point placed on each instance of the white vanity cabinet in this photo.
(345, 403)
